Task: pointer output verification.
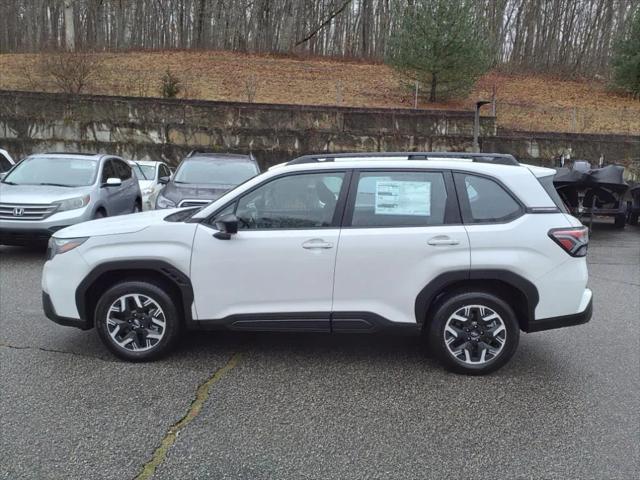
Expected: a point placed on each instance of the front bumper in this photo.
(51, 314)
(564, 321)
(23, 236)
(29, 232)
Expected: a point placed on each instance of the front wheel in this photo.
(473, 333)
(137, 320)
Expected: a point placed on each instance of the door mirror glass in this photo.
(164, 180)
(228, 225)
(113, 182)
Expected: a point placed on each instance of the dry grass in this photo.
(524, 102)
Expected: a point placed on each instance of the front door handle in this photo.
(316, 243)
(443, 240)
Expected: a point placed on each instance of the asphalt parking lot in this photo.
(313, 406)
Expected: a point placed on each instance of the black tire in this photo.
(633, 218)
(137, 207)
(171, 317)
(100, 213)
(449, 306)
(620, 220)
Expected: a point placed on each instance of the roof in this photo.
(86, 155)
(149, 163)
(220, 155)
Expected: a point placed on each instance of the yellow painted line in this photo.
(202, 394)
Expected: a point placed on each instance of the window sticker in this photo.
(403, 198)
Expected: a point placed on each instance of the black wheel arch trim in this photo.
(170, 273)
(50, 313)
(438, 286)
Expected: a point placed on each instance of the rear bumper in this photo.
(51, 314)
(563, 321)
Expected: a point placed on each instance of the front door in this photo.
(402, 229)
(276, 273)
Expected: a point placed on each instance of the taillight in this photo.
(574, 241)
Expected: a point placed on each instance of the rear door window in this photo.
(399, 199)
(484, 200)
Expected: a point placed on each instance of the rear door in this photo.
(401, 230)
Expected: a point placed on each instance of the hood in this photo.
(39, 194)
(176, 192)
(131, 223)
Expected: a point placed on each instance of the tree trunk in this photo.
(434, 84)
(69, 26)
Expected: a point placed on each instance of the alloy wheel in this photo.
(136, 322)
(475, 334)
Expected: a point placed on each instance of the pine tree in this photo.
(626, 64)
(440, 44)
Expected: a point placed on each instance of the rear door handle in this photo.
(443, 240)
(316, 243)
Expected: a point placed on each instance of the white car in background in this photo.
(149, 173)
(6, 162)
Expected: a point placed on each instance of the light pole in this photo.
(476, 125)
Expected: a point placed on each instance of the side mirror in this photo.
(228, 225)
(164, 180)
(112, 182)
(2, 175)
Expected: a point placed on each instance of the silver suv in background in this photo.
(49, 191)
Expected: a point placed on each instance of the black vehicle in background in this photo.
(634, 205)
(591, 192)
(203, 177)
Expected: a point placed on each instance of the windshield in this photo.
(145, 172)
(220, 172)
(58, 171)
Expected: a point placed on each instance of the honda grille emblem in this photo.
(18, 212)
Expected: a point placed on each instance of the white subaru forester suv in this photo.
(468, 249)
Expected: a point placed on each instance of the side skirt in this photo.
(317, 322)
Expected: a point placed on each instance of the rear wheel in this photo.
(137, 320)
(136, 207)
(473, 333)
(620, 220)
(633, 218)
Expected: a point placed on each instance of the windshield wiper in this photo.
(57, 185)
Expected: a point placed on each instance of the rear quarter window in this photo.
(484, 200)
(547, 184)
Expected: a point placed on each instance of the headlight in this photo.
(63, 245)
(72, 203)
(164, 202)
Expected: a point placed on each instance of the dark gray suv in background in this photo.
(203, 177)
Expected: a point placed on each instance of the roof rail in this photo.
(496, 158)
